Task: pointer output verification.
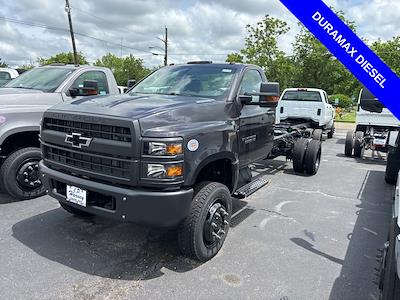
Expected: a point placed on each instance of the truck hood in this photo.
(7, 91)
(128, 106)
(13, 99)
(158, 115)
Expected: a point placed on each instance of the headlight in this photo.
(160, 149)
(163, 171)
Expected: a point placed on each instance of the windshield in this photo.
(302, 96)
(199, 81)
(44, 79)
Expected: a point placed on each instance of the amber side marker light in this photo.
(174, 171)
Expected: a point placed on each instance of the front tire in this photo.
(20, 174)
(203, 232)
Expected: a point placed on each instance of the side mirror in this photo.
(369, 103)
(90, 88)
(130, 83)
(245, 99)
(269, 94)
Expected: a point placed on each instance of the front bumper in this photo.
(151, 208)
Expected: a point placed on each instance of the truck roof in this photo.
(238, 66)
(304, 89)
(69, 66)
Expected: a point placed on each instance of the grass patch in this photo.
(347, 117)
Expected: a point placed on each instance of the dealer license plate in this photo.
(380, 142)
(76, 195)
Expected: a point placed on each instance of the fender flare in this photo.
(30, 128)
(218, 156)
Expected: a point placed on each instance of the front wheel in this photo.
(203, 232)
(20, 174)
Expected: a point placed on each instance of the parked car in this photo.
(7, 74)
(172, 151)
(22, 103)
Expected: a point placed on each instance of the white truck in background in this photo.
(374, 123)
(308, 106)
(7, 74)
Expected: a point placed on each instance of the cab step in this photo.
(250, 188)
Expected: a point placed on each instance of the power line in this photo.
(33, 24)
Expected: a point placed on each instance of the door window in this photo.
(98, 76)
(251, 84)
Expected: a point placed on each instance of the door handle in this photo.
(270, 112)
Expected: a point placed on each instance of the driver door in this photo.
(256, 124)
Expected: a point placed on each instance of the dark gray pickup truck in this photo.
(172, 151)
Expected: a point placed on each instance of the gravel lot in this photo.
(299, 237)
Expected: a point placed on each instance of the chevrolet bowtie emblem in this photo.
(77, 141)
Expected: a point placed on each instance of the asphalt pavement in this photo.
(299, 237)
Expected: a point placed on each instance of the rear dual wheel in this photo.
(349, 144)
(307, 156)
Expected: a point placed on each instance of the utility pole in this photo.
(71, 30)
(166, 47)
(165, 41)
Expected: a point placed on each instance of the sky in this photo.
(197, 30)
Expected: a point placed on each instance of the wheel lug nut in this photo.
(25, 173)
(31, 183)
(221, 232)
(226, 222)
(214, 225)
(30, 168)
(26, 180)
(216, 236)
(217, 215)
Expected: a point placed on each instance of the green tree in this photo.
(3, 64)
(317, 67)
(124, 68)
(261, 48)
(25, 67)
(234, 58)
(64, 58)
(344, 100)
(389, 52)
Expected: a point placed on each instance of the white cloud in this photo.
(200, 29)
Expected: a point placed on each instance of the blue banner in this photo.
(348, 48)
